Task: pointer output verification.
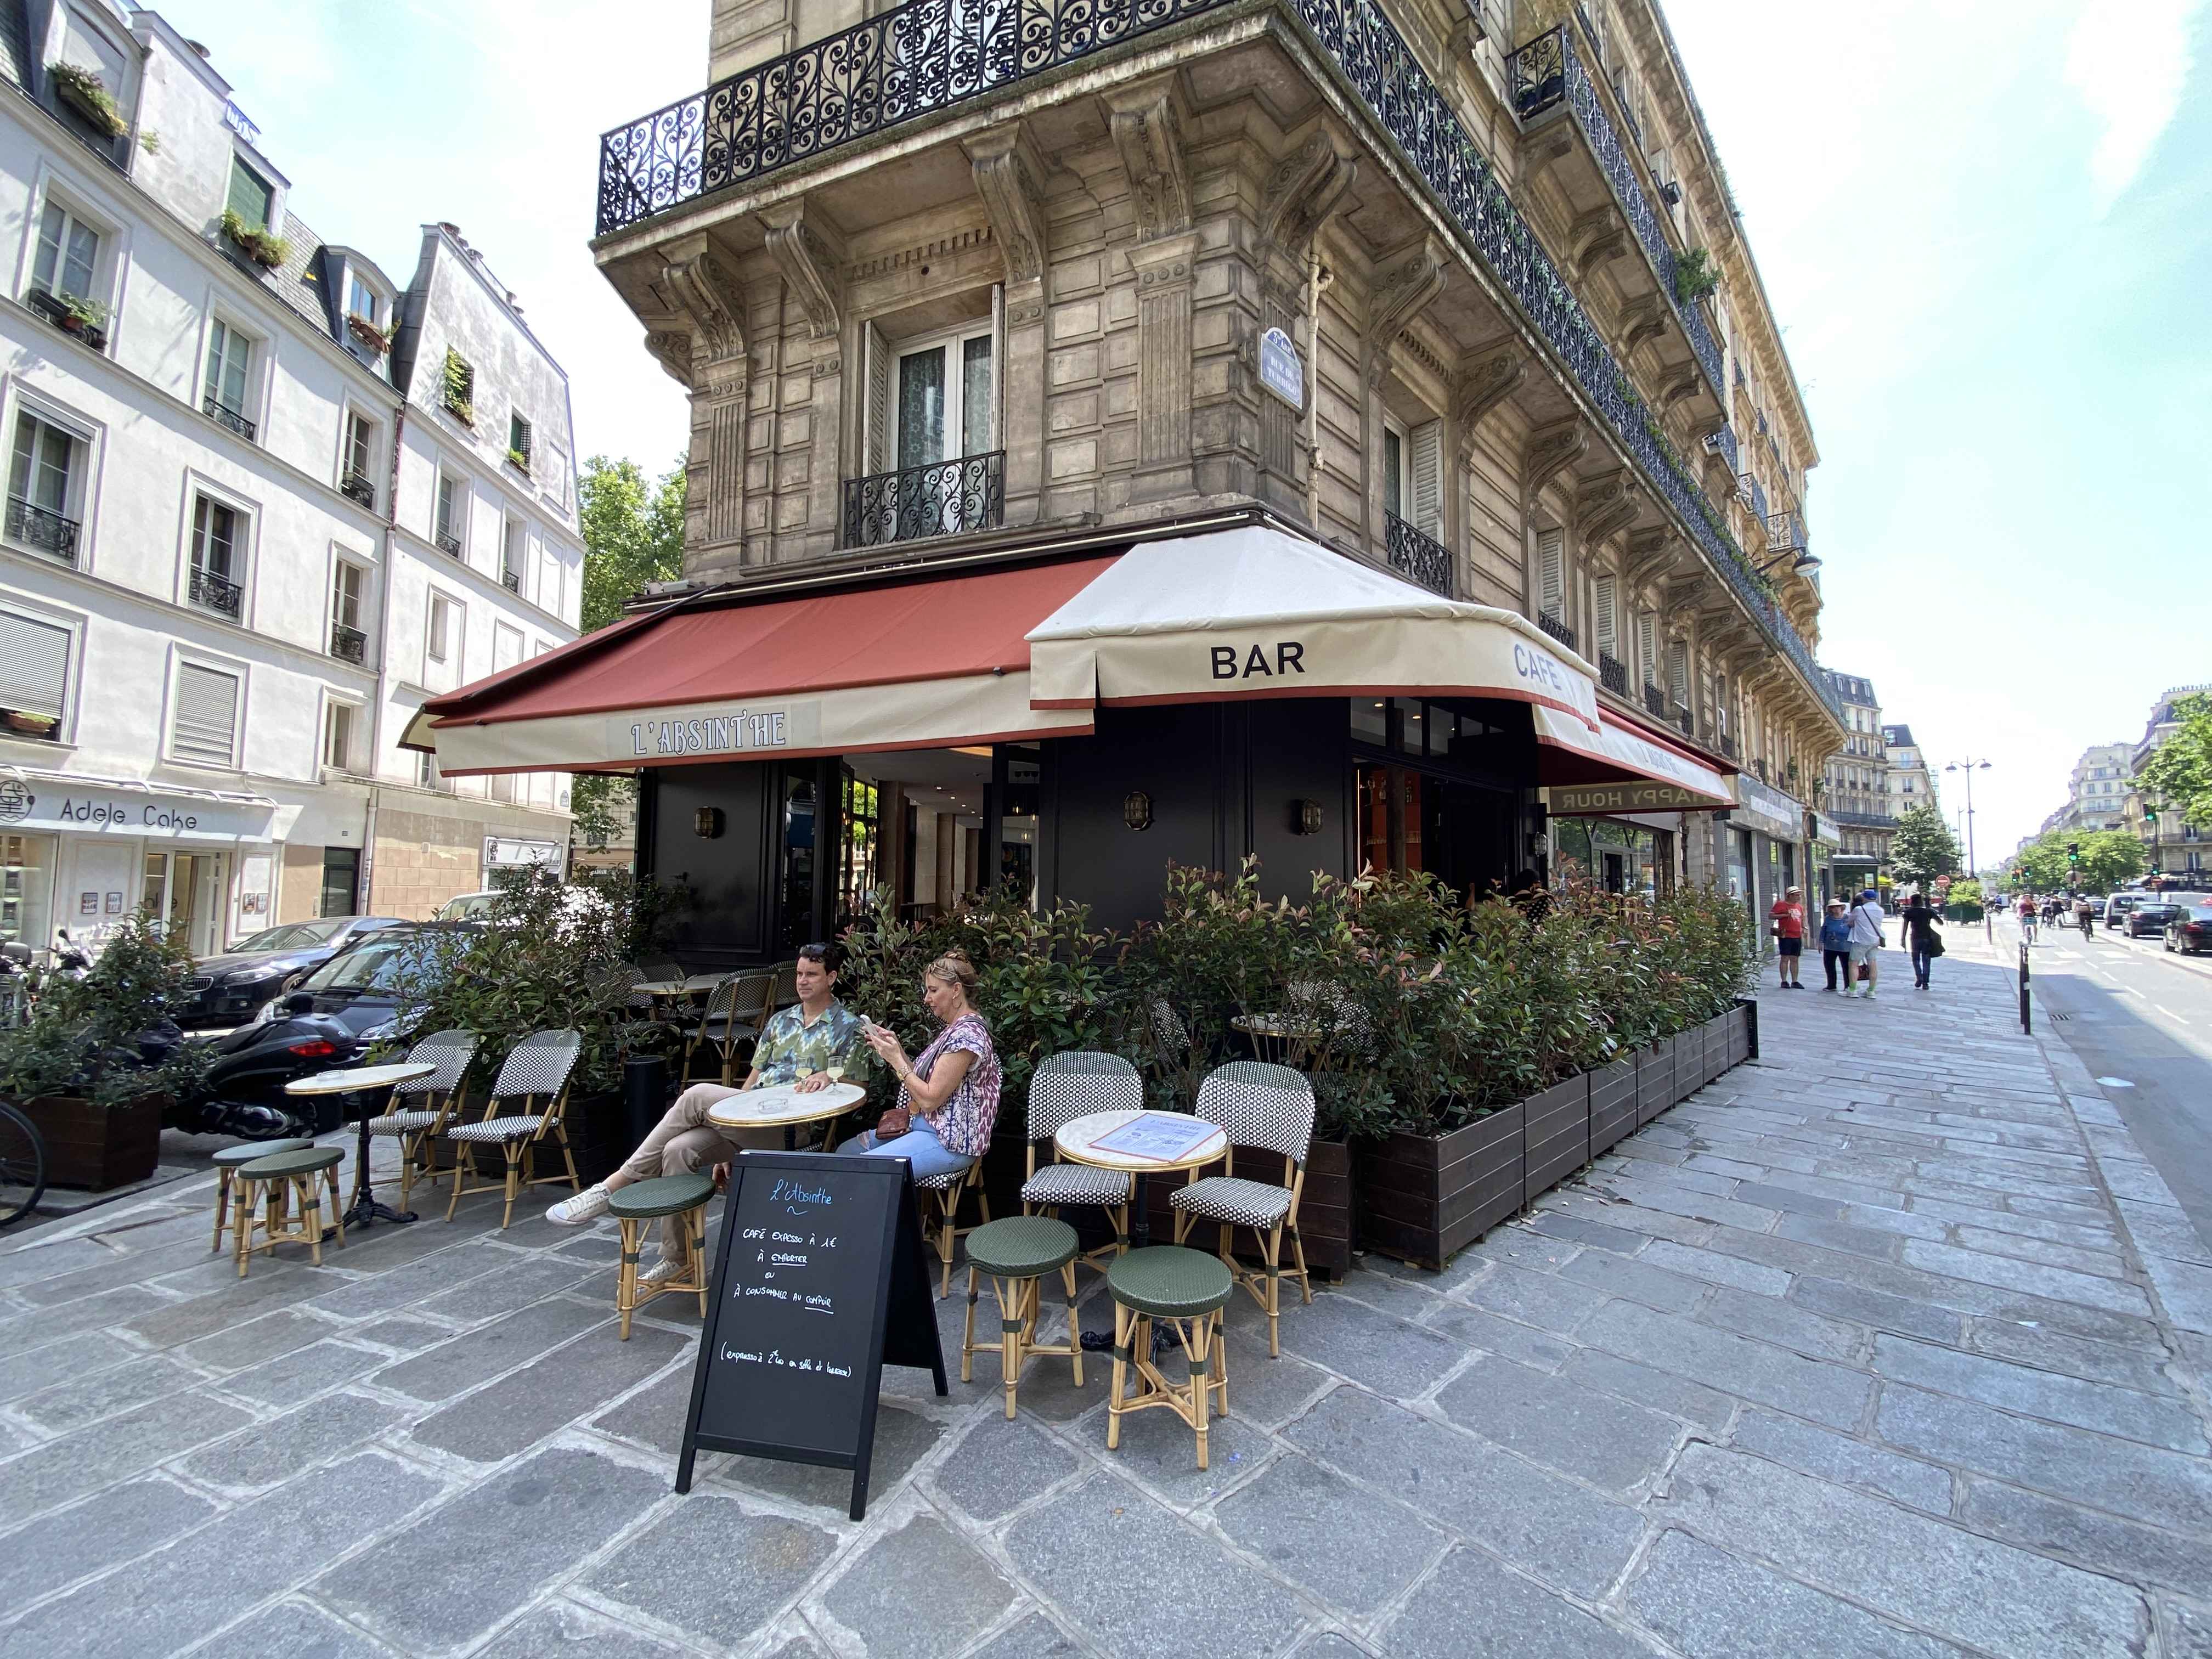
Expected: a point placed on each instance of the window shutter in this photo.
(1552, 574)
(1428, 466)
(875, 446)
(34, 665)
(1609, 631)
(1678, 671)
(250, 196)
(1647, 646)
(207, 715)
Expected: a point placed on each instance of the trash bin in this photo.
(644, 1094)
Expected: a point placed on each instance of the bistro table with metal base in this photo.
(782, 1105)
(365, 1082)
(1076, 1143)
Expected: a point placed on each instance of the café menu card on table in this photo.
(1160, 1137)
(819, 1284)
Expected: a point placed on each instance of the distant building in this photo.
(1909, 780)
(2175, 848)
(1856, 787)
(249, 526)
(2096, 795)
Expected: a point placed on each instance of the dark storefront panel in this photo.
(730, 875)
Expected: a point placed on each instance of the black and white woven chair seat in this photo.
(1235, 1200)
(401, 1123)
(1076, 1183)
(941, 1183)
(496, 1129)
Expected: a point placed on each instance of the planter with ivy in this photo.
(258, 243)
(1696, 278)
(518, 461)
(87, 94)
(458, 386)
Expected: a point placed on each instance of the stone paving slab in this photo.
(1889, 1343)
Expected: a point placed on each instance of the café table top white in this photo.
(783, 1102)
(352, 1080)
(1076, 1137)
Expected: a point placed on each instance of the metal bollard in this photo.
(2025, 1029)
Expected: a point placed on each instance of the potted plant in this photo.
(80, 1069)
(256, 243)
(376, 339)
(518, 461)
(30, 725)
(1695, 277)
(84, 91)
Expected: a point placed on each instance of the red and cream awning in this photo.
(1005, 654)
(1623, 767)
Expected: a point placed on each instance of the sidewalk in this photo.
(1854, 1352)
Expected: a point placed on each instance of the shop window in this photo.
(341, 882)
(34, 665)
(27, 882)
(46, 484)
(1370, 721)
(205, 730)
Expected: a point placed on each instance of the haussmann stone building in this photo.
(1340, 432)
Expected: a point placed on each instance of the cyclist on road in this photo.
(2027, 917)
(2085, 915)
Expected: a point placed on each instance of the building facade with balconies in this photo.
(1384, 359)
(2173, 846)
(213, 622)
(1856, 787)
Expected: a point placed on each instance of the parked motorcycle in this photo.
(16, 984)
(242, 1091)
(71, 959)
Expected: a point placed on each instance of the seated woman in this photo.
(948, 1094)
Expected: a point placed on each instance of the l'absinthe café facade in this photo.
(1135, 454)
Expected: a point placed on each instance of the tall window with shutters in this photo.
(1605, 600)
(35, 667)
(229, 353)
(1678, 672)
(252, 197)
(1425, 473)
(46, 477)
(1552, 574)
(1647, 646)
(204, 731)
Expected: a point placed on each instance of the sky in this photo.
(1983, 226)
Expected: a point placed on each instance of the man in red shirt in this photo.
(1786, 921)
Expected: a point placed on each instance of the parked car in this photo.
(2189, 929)
(229, 989)
(2097, 907)
(577, 904)
(2117, 908)
(2149, 916)
(360, 987)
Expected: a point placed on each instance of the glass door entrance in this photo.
(185, 892)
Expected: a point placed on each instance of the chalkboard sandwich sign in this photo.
(819, 1286)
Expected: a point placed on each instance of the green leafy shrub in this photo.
(84, 89)
(83, 1037)
(265, 248)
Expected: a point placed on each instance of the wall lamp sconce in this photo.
(1305, 818)
(1137, 810)
(706, 821)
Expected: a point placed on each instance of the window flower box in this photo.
(257, 244)
(86, 93)
(1611, 1104)
(376, 339)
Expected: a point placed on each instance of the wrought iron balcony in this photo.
(945, 498)
(1728, 748)
(907, 64)
(1722, 443)
(1654, 701)
(228, 417)
(217, 593)
(1612, 674)
(1416, 556)
(1753, 491)
(37, 526)
(1684, 721)
(1863, 820)
(448, 543)
(348, 644)
(1558, 629)
(510, 578)
(358, 488)
(1785, 532)
(1549, 71)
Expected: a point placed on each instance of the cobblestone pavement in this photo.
(1855, 1352)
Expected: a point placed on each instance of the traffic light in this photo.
(2072, 852)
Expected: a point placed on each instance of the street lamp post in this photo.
(1969, 766)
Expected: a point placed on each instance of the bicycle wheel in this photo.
(22, 1166)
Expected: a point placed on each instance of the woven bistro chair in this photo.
(1063, 1088)
(660, 968)
(730, 1025)
(1268, 1108)
(538, 1070)
(941, 1213)
(435, 1098)
(786, 991)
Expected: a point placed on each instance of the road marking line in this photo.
(2116, 1083)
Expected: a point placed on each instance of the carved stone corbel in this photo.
(1147, 132)
(1484, 382)
(805, 249)
(1010, 175)
(1596, 240)
(1302, 191)
(1681, 386)
(1651, 554)
(1606, 505)
(1405, 283)
(699, 285)
(1550, 450)
(1643, 319)
(669, 343)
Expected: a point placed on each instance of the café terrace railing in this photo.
(922, 57)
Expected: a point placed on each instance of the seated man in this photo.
(820, 1032)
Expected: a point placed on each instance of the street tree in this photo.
(2179, 772)
(1922, 847)
(2108, 858)
(633, 534)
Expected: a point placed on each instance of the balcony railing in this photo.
(37, 526)
(1728, 748)
(1416, 556)
(217, 593)
(448, 543)
(1863, 820)
(348, 644)
(1684, 721)
(1549, 70)
(1655, 702)
(511, 580)
(224, 413)
(1558, 629)
(1612, 674)
(909, 62)
(945, 498)
(1785, 532)
(1753, 491)
(1722, 443)
(358, 488)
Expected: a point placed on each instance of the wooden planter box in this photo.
(1423, 1197)
(1716, 1044)
(1326, 1212)
(97, 1147)
(1655, 1080)
(1611, 1104)
(1557, 1137)
(1745, 1033)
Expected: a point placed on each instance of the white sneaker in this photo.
(587, 1205)
(661, 1271)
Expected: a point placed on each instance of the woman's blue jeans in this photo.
(918, 1146)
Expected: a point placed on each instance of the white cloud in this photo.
(2129, 65)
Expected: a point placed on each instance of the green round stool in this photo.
(1015, 1253)
(226, 1163)
(1188, 1289)
(680, 1202)
(303, 1171)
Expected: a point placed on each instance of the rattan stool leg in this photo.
(1202, 1385)
(311, 1214)
(1124, 1318)
(222, 1181)
(241, 1223)
(1074, 1330)
(968, 1335)
(626, 1279)
(1271, 1247)
(697, 1230)
(514, 1176)
(337, 1206)
(1016, 1297)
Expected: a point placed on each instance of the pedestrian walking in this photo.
(1786, 921)
(1836, 946)
(1867, 940)
(1924, 936)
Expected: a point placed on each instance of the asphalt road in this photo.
(2136, 1012)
